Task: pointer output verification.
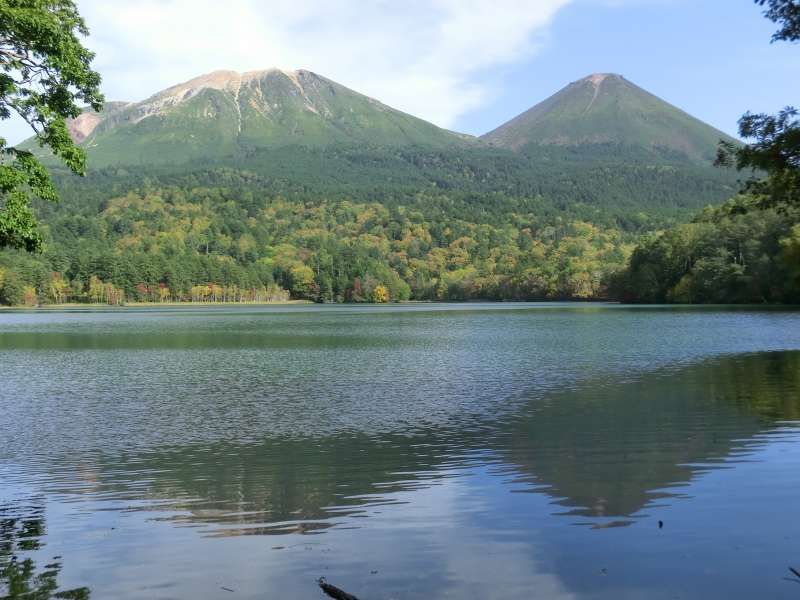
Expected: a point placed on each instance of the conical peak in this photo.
(598, 78)
(606, 108)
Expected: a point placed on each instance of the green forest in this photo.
(230, 234)
(736, 253)
(236, 242)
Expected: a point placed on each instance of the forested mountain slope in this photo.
(600, 141)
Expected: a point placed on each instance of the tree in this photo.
(787, 14)
(12, 290)
(380, 294)
(59, 288)
(775, 150)
(44, 73)
(302, 281)
(791, 255)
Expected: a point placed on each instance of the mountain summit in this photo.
(224, 113)
(607, 109)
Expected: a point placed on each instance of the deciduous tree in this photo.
(45, 74)
(774, 148)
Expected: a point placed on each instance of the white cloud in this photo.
(425, 57)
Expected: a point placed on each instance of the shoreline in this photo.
(149, 304)
(174, 304)
(465, 303)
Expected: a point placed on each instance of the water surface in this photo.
(437, 451)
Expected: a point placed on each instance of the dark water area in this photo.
(413, 451)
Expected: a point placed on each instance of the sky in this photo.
(468, 65)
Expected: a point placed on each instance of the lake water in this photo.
(414, 451)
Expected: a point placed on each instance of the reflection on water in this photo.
(21, 532)
(608, 450)
(461, 453)
(601, 450)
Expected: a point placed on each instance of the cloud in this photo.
(631, 3)
(423, 57)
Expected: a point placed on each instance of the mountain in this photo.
(601, 149)
(225, 113)
(600, 142)
(275, 178)
(606, 110)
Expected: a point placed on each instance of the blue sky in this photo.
(467, 65)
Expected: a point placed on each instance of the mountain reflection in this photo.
(602, 449)
(607, 450)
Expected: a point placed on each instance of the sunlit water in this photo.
(416, 451)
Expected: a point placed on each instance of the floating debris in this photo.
(333, 591)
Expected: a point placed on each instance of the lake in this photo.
(407, 451)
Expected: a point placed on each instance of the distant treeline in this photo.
(175, 242)
(225, 235)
